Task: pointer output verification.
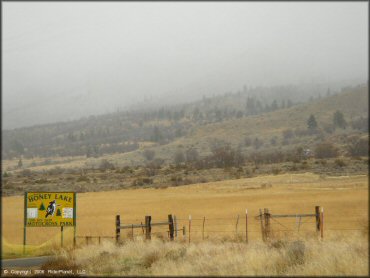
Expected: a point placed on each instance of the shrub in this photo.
(361, 124)
(179, 157)
(258, 143)
(176, 180)
(83, 178)
(127, 169)
(247, 141)
(203, 180)
(149, 154)
(358, 146)
(288, 134)
(105, 165)
(326, 150)
(41, 181)
(56, 171)
(329, 128)
(340, 162)
(266, 185)
(248, 173)
(273, 141)
(191, 155)
(276, 170)
(142, 181)
(26, 173)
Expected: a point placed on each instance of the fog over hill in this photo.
(63, 61)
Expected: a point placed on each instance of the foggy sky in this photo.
(65, 60)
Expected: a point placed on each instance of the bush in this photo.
(149, 154)
(55, 171)
(288, 134)
(26, 173)
(41, 181)
(329, 128)
(258, 143)
(339, 162)
(247, 141)
(83, 178)
(273, 141)
(191, 155)
(266, 185)
(203, 180)
(276, 170)
(358, 146)
(361, 124)
(326, 150)
(105, 165)
(179, 157)
(176, 180)
(142, 181)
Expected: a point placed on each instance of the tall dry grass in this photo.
(338, 255)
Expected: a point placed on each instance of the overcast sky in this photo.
(63, 60)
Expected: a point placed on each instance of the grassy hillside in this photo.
(270, 143)
(271, 128)
(353, 104)
(255, 112)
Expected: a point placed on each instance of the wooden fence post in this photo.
(246, 225)
(61, 236)
(189, 226)
(175, 221)
(99, 240)
(148, 227)
(322, 223)
(236, 225)
(132, 231)
(267, 223)
(118, 230)
(262, 226)
(183, 232)
(317, 215)
(170, 226)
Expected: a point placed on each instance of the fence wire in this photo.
(236, 226)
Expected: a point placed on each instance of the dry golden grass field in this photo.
(345, 202)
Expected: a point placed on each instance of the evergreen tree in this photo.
(251, 106)
(42, 207)
(274, 105)
(59, 213)
(338, 120)
(311, 122)
(157, 136)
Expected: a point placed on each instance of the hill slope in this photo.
(352, 103)
(122, 137)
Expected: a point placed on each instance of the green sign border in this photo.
(31, 192)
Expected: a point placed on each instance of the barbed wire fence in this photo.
(263, 226)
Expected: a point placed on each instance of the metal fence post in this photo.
(246, 225)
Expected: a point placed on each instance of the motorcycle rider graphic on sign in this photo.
(51, 208)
